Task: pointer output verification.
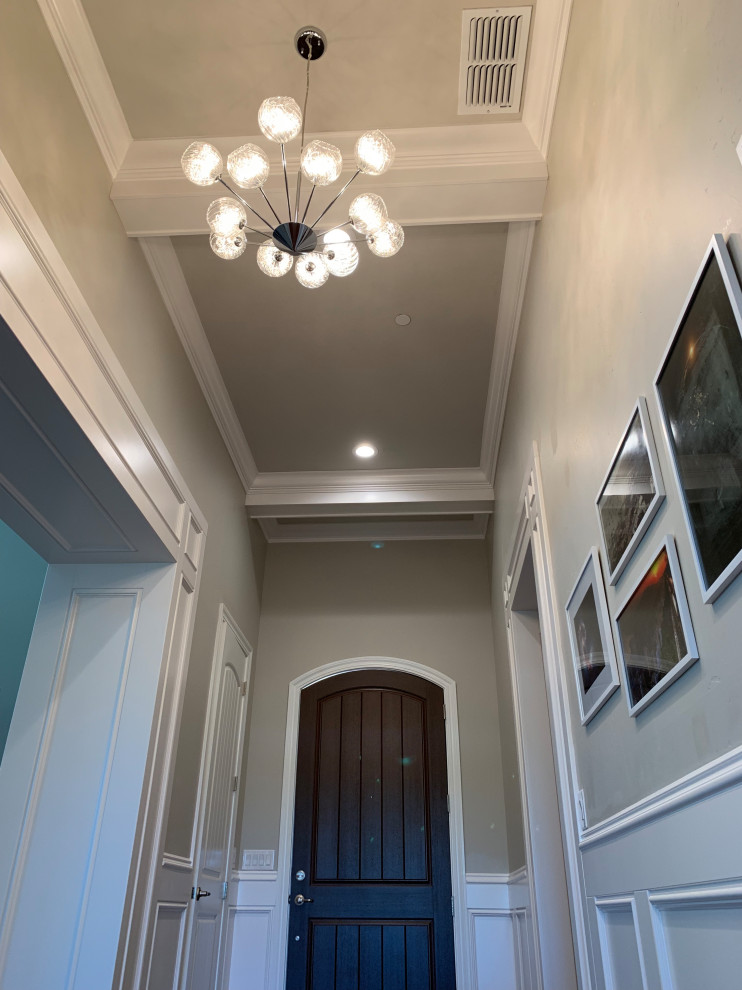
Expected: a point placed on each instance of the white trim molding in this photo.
(168, 275)
(71, 33)
(719, 774)
(512, 292)
(456, 819)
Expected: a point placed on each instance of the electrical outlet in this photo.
(258, 859)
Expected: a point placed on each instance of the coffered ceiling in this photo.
(295, 377)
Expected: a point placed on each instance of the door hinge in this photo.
(243, 689)
(448, 803)
(453, 909)
(234, 783)
(444, 713)
(225, 889)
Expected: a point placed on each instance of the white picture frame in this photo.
(590, 636)
(700, 467)
(617, 557)
(661, 597)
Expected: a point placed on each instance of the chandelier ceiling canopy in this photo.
(292, 242)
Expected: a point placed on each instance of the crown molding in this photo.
(466, 174)
(168, 275)
(512, 291)
(77, 47)
(543, 72)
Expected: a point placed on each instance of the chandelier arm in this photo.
(333, 201)
(286, 180)
(245, 203)
(306, 208)
(270, 205)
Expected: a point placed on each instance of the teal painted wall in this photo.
(22, 574)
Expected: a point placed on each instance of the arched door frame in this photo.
(456, 818)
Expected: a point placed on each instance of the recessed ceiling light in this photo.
(364, 450)
(403, 320)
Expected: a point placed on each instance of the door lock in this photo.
(301, 899)
(198, 892)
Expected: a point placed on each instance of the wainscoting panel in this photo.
(619, 943)
(497, 913)
(665, 885)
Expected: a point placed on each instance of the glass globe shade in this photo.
(368, 213)
(321, 163)
(248, 166)
(272, 260)
(279, 118)
(228, 247)
(201, 163)
(341, 257)
(336, 236)
(311, 270)
(374, 153)
(226, 216)
(387, 241)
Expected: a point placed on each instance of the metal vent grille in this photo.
(493, 57)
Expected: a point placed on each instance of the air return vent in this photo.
(493, 58)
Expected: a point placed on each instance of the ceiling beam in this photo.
(472, 173)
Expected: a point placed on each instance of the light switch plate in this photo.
(258, 859)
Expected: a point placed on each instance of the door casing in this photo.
(462, 943)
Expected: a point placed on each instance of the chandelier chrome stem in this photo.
(270, 205)
(306, 208)
(332, 202)
(245, 203)
(286, 180)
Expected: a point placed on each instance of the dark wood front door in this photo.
(371, 838)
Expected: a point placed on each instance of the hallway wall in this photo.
(643, 171)
(427, 602)
(46, 139)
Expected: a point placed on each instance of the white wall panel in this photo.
(166, 946)
(622, 964)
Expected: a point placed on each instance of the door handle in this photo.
(301, 899)
(198, 893)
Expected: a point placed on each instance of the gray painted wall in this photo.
(22, 574)
(48, 143)
(427, 602)
(643, 171)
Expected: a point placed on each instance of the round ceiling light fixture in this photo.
(281, 119)
(402, 320)
(365, 450)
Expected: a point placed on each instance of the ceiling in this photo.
(184, 67)
(311, 373)
(294, 378)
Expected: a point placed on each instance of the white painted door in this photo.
(225, 735)
(72, 773)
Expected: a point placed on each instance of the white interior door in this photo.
(222, 757)
(225, 735)
(72, 773)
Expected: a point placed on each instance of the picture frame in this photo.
(654, 631)
(631, 494)
(699, 393)
(591, 639)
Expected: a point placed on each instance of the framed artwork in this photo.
(631, 494)
(591, 639)
(699, 390)
(654, 631)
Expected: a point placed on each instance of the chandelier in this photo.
(292, 242)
